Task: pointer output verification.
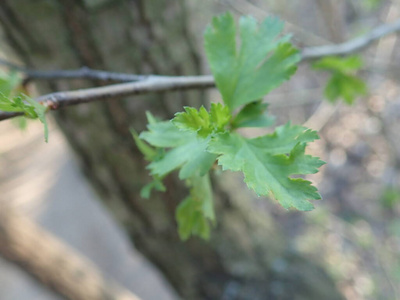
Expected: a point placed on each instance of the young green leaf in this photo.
(261, 63)
(344, 86)
(268, 162)
(40, 111)
(253, 115)
(372, 4)
(196, 212)
(219, 116)
(164, 134)
(193, 120)
(28, 106)
(188, 150)
(148, 152)
(6, 104)
(190, 219)
(343, 83)
(8, 83)
(339, 64)
(20, 122)
(201, 121)
(155, 184)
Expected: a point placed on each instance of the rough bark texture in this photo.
(246, 257)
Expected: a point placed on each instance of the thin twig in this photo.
(57, 100)
(307, 53)
(82, 73)
(9, 115)
(351, 46)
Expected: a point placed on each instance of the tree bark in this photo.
(247, 256)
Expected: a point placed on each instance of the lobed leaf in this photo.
(196, 212)
(28, 106)
(9, 82)
(339, 64)
(345, 86)
(148, 152)
(343, 83)
(253, 114)
(155, 184)
(164, 135)
(201, 121)
(268, 162)
(188, 151)
(261, 63)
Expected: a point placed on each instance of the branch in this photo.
(152, 83)
(142, 84)
(351, 46)
(82, 73)
(52, 262)
(307, 53)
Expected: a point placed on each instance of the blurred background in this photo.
(95, 223)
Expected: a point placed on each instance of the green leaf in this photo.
(165, 135)
(261, 63)
(284, 138)
(219, 116)
(40, 111)
(32, 109)
(191, 157)
(196, 212)
(372, 4)
(343, 83)
(390, 197)
(188, 151)
(155, 184)
(7, 104)
(190, 220)
(253, 115)
(201, 121)
(8, 83)
(193, 120)
(347, 87)
(16, 104)
(268, 162)
(20, 122)
(339, 64)
(148, 152)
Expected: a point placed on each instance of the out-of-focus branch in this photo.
(142, 84)
(82, 73)
(307, 53)
(51, 262)
(353, 45)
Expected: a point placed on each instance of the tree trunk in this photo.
(52, 262)
(247, 256)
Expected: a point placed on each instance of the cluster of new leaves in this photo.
(195, 140)
(343, 83)
(12, 101)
